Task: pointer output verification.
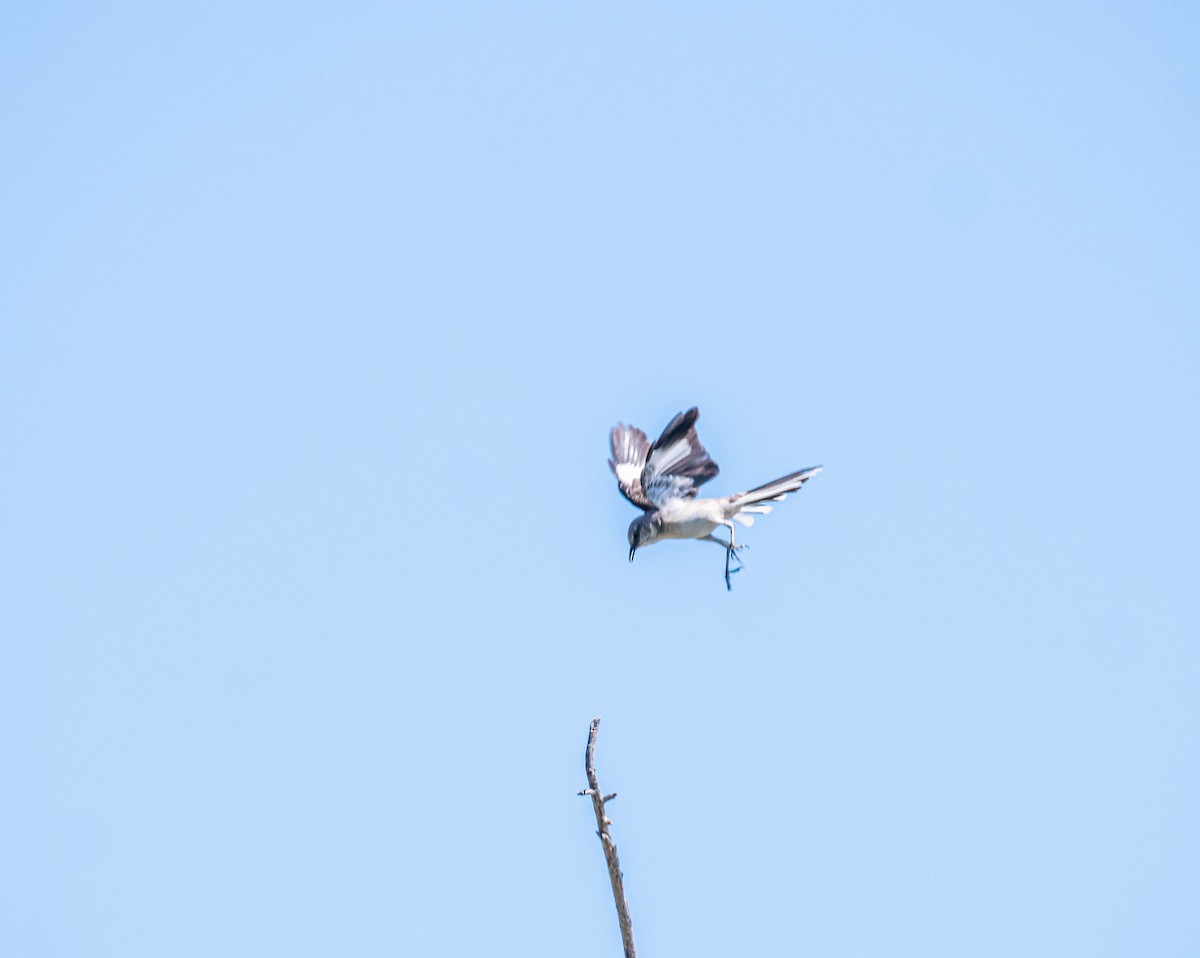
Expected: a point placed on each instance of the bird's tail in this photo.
(744, 506)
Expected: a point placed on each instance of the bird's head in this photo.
(642, 531)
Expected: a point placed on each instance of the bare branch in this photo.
(606, 842)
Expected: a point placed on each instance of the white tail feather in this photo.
(777, 491)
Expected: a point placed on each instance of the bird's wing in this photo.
(677, 464)
(629, 450)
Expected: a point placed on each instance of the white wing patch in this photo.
(627, 473)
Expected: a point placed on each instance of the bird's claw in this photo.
(733, 554)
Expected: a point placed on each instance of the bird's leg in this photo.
(731, 553)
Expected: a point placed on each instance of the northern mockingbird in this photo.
(662, 480)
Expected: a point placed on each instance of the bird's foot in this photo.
(733, 554)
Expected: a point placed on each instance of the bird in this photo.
(663, 478)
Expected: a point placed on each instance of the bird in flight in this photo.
(662, 480)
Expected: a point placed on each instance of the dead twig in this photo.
(599, 799)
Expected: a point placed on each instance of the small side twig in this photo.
(599, 799)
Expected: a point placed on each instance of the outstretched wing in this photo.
(677, 464)
(629, 450)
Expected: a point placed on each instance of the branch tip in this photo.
(616, 876)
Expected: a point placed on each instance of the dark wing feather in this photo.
(677, 464)
(629, 450)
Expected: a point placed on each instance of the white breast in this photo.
(690, 518)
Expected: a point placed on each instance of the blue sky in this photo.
(316, 322)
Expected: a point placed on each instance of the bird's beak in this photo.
(632, 550)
